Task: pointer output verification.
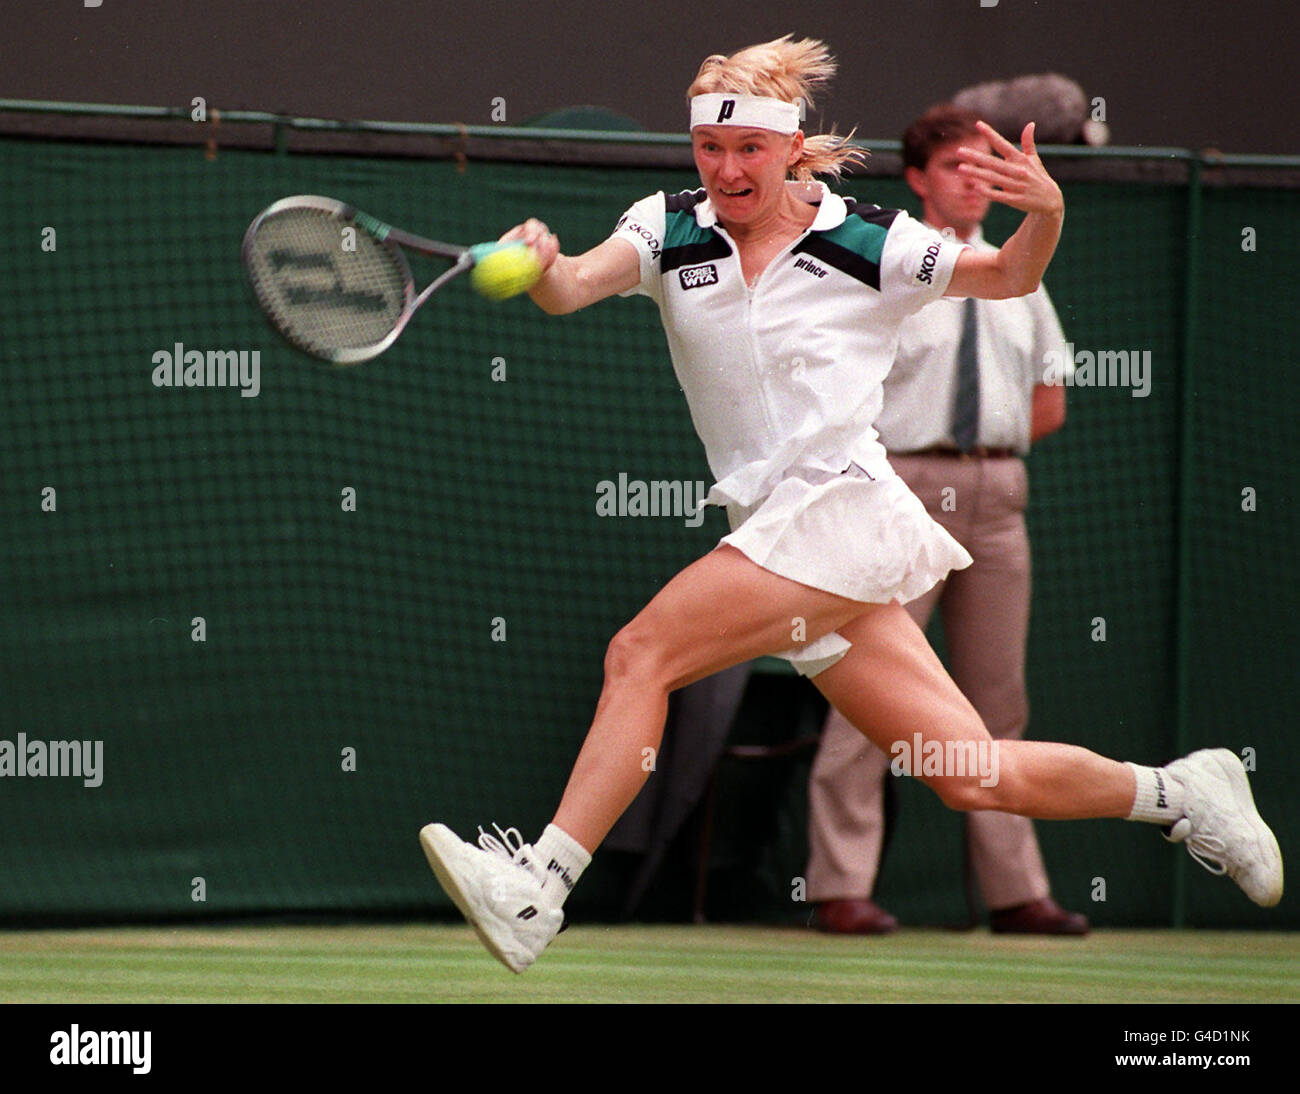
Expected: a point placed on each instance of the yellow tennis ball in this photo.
(503, 270)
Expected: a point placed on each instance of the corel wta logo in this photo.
(692, 277)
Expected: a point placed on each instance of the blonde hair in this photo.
(787, 70)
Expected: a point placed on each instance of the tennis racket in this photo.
(341, 295)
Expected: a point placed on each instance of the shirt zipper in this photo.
(752, 329)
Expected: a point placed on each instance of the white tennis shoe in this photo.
(1221, 827)
(498, 888)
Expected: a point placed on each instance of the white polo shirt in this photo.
(786, 375)
(1014, 338)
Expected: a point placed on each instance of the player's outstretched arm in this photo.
(571, 282)
(1015, 177)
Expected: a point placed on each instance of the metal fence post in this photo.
(1186, 487)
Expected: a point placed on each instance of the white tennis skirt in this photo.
(864, 537)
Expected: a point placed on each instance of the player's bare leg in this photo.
(891, 685)
(724, 609)
(719, 611)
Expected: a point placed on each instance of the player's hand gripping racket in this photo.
(345, 296)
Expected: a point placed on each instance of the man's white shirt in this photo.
(1014, 338)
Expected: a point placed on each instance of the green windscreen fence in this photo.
(293, 626)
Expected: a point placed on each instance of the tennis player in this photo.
(781, 303)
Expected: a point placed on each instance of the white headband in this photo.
(750, 111)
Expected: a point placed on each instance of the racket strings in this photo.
(327, 289)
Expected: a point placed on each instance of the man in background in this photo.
(962, 405)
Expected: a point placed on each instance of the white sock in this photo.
(563, 858)
(1159, 798)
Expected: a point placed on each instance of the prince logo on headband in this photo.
(746, 111)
